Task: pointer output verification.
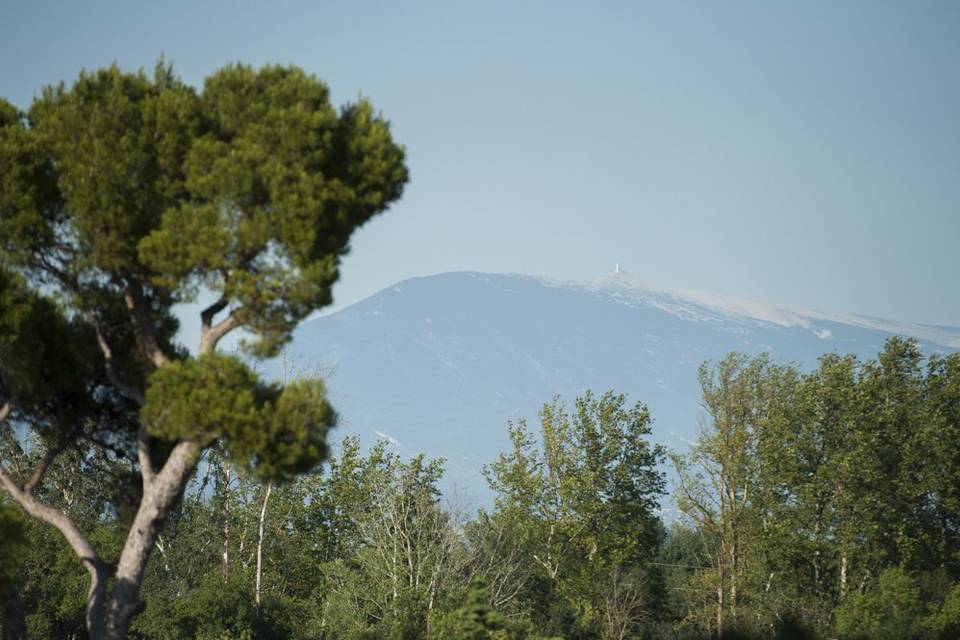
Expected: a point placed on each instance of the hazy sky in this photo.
(805, 153)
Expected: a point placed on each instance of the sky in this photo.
(803, 153)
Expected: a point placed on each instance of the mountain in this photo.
(440, 364)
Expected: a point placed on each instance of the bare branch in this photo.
(158, 498)
(135, 395)
(99, 570)
(75, 538)
(147, 470)
(129, 392)
(143, 325)
(41, 469)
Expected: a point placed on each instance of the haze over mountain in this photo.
(440, 364)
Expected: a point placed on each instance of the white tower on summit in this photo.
(616, 268)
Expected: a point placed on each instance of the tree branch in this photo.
(131, 393)
(41, 469)
(143, 326)
(211, 335)
(147, 469)
(23, 496)
(210, 312)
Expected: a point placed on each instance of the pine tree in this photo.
(123, 195)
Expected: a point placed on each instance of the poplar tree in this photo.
(124, 194)
(582, 501)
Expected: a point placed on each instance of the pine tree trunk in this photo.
(109, 613)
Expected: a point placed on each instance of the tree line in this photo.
(819, 504)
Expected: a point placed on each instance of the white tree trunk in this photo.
(263, 517)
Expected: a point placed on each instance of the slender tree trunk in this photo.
(225, 551)
(721, 558)
(720, 605)
(263, 517)
(109, 614)
(843, 575)
(734, 562)
(816, 552)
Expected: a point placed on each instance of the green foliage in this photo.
(944, 621)
(278, 432)
(595, 481)
(583, 506)
(124, 194)
(401, 555)
(51, 584)
(889, 609)
(216, 609)
(47, 360)
(202, 399)
(475, 619)
(572, 548)
(295, 437)
(116, 142)
(807, 486)
(279, 180)
(13, 543)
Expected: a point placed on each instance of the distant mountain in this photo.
(440, 364)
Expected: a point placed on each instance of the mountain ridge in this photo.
(783, 315)
(441, 363)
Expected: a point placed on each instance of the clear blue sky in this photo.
(805, 153)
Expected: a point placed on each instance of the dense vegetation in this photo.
(819, 504)
(121, 196)
(151, 493)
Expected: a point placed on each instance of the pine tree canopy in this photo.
(125, 194)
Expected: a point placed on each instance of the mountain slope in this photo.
(440, 364)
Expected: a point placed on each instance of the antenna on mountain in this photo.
(616, 268)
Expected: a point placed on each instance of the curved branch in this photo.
(143, 325)
(25, 498)
(133, 394)
(210, 312)
(211, 335)
(41, 469)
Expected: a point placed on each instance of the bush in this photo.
(944, 623)
(891, 609)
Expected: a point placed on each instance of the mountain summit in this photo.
(441, 363)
